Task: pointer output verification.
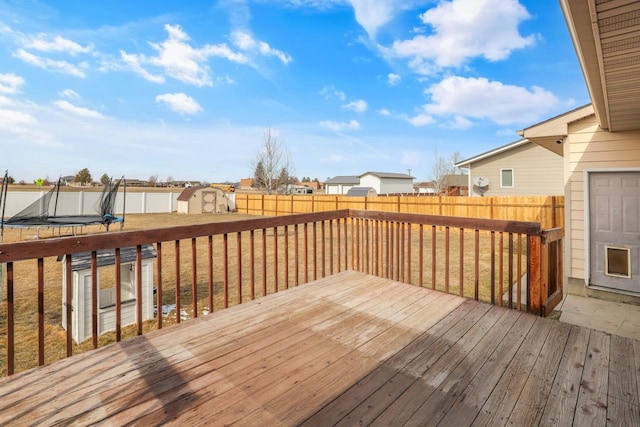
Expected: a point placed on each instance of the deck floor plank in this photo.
(562, 401)
(348, 349)
(592, 397)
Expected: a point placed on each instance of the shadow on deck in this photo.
(345, 350)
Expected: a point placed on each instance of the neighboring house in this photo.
(387, 183)
(425, 188)
(341, 184)
(246, 183)
(600, 144)
(361, 192)
(455, 185)
(203, 199)
(521, 168)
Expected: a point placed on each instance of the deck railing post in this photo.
(534, 274)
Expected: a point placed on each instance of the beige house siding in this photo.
(588, 147)
(536, 172)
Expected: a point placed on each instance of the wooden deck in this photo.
(349, 349)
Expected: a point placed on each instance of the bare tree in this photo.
(152, 181)
(443, 167)
(272, 167)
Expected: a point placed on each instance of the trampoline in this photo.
(47, 211)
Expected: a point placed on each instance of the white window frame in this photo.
(513, 178)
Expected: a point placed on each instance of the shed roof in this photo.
(388, 175)
(343, 179)
(189, 191)
(456, 180)
(82, 261)
(361, 191)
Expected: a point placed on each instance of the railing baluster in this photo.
(286, 257)
(433, 257)
(331, 247)
(69, 306)
(315, 252)
(275, 259)
(239, 267)
(339, 246)
(357, 221)
(264, 262)
(421, 256)
(41, 311)
(94, 299)
(501, 270)
(493, 267)
(398, 251)
(210, 288)
(118, 267)
(306, 252)
(409, 244)
(296, 260)
(519, 279)
(225, 269)
(323, 248)
(11, 321)
(346, 244)
(139, 288)
(476, 291)
(252, 261)
(447, 250)
(461, 278)
(194, 277)
(159, 313)
(510, 275)
(352, 224)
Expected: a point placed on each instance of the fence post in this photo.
(553, 212)
(534, 275)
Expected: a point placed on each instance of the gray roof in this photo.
(82, 261)
(361, 191)
(456, 180)
(493, 152)
(388, 175)
(344, 179)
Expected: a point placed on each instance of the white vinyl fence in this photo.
(84, 203)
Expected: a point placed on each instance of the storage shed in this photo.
(81, 323)
(202, 199)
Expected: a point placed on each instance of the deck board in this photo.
(348, 349)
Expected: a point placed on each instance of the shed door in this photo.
(614, 226)
(208, 202)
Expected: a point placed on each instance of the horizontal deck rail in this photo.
(201, 268)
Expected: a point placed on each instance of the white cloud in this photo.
(180, 103)
(246, 42)
(334, 158)
(49, 64)
(480, 98)
(45, 43)
(5, 100)
(180, 60)
(340, 126)
(69, 93)
(421, 120)
(359, 106)
(330, 91)
(411, 158)
(10, 119)
(78, 111)
(10, 83)
(465, 29)
(393, 79)
(461, 123)
(375, 14)
(133, 61)
(384, 112)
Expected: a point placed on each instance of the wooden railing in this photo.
(203, 268)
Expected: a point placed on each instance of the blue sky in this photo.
(187, 89)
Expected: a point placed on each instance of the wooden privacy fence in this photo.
(547, 210)
(217, 265)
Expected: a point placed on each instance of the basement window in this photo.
(617, 262)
